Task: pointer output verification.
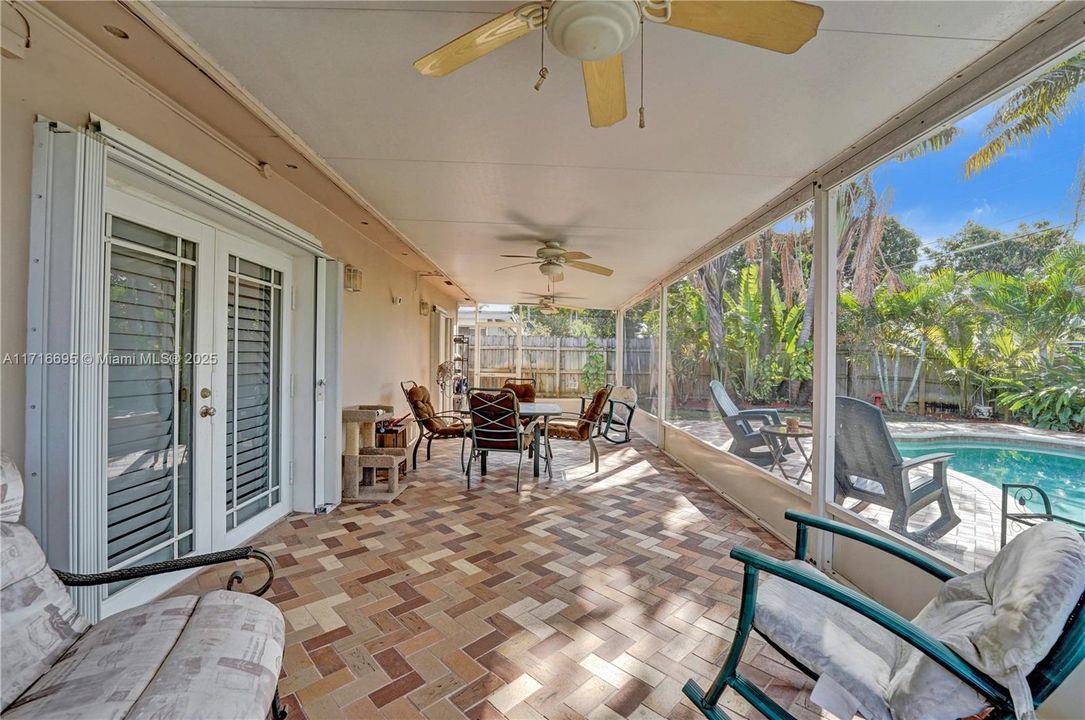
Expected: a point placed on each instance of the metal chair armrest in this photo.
(924, 459)
(167, 566)
(907, 631)
(805, 520)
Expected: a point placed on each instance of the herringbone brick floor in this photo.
(588, 596)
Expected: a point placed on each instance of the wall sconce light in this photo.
(423, 308)
(352, 279)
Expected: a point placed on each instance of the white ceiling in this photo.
(468, 165)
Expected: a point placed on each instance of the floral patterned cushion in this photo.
(38, 621)
(214, 656)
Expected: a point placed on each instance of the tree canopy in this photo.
(976, 248)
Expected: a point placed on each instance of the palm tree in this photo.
(1037, 105)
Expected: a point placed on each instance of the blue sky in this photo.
(1031, 182)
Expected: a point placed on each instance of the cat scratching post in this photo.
(361, 459)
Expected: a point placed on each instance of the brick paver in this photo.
(588, 596)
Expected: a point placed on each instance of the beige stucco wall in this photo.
(65, 81)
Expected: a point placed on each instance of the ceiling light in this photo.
(550, 268)
(116, 31)
(592, 29)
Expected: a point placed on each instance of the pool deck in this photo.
(973, 543)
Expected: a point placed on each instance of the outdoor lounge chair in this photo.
(745, 425)
(869, 468)
(216, 655)
(1004, 638)
(432, 424)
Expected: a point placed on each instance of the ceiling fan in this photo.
(552, 260)
(597, 32)
(549, 304)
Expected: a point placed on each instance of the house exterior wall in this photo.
(64, 78)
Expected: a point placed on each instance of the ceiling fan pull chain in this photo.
(543, 71)
(649, 8)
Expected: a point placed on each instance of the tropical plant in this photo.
(1041, 307)
(1051, 397)
(594, 373)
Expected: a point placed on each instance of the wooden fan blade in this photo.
(590, 267)
(604, 84)
(474, 44)
(577, 255)
(510, 267)
(533, 257)
(780, 25)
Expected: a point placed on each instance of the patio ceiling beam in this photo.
(1045, 39)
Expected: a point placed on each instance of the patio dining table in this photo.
(544, 411)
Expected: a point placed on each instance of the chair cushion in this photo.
(11, 490)
(456, 430)
(1001, 619)
(422, 407)
(624, 394)
(38, 621)
(110, 666)
(525, 392)
(829, 639)
(215, 656)
(567, 430)
(495, 419)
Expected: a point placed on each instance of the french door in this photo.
(197, 340)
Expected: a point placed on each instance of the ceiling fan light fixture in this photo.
(550, 268)
(590, 30)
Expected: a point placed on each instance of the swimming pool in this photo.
(1061, 475)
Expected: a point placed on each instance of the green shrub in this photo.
(1051, 397)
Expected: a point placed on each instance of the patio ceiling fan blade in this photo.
(577, 255)
(590, 267)
(510, 267)
(780, 25)
(604, 84)
(478, 42)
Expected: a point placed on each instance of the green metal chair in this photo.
(1043, 567)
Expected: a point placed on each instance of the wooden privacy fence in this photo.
(557, 363)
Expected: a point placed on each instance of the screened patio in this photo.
(760, 249)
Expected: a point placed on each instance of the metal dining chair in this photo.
(496, 427)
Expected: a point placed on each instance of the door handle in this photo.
(207, 411)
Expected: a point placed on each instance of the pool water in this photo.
(1062, 476)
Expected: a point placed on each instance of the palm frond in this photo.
(939, 140)
(1039, 105)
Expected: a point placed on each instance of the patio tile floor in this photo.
(588, 596)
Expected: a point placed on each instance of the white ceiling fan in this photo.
(550, 304)
(552, 260)
(597, 32)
